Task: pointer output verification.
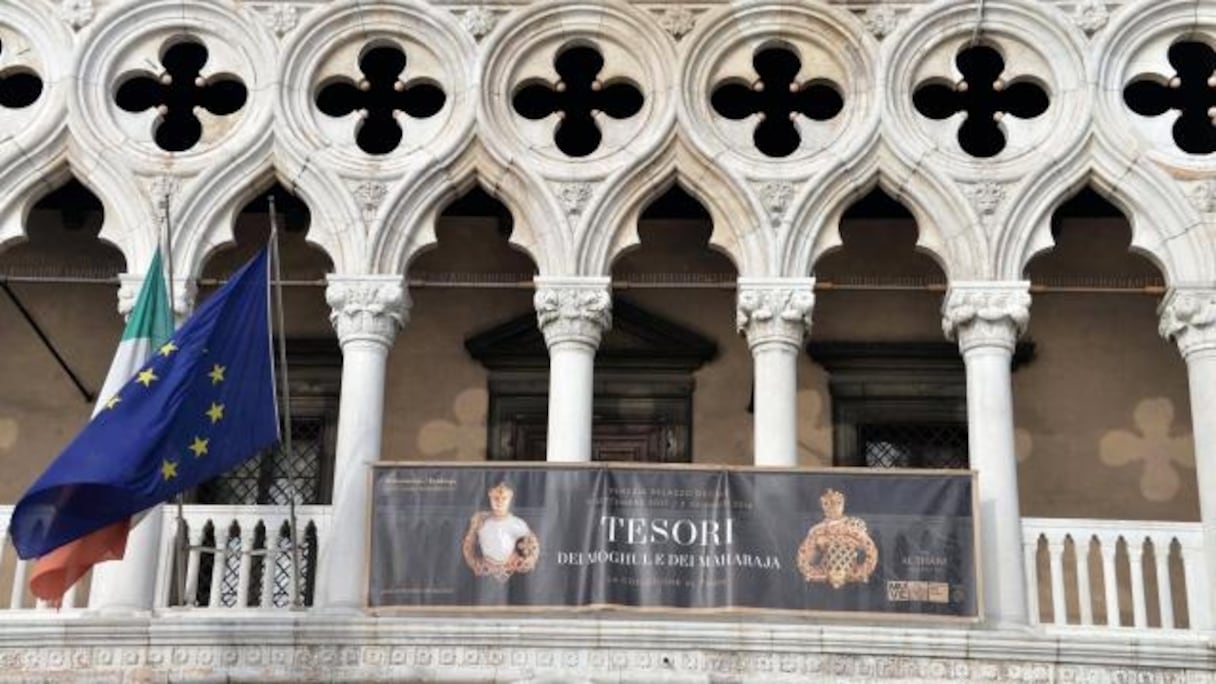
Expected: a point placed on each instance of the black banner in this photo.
(549, 536)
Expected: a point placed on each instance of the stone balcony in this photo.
(242, 625)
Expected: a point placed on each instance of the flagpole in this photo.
(181, 540)
(289, 466)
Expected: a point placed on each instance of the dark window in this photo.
(638, 418)
(898, 405)
(643, 388)
(913, 444)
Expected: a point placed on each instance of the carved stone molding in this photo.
(1203, 195)
(574, 197)
(775, 309)
(1090, 15)
(986, 314)
(776, 197)
(280, 18)
(478, 21)
(162, 191)
(369, 195)
(77, 13)
(371, 308)
(573, 309)
(986, 197)
(198, 649)
(677, 21)
(1187, 318)
(880, 20)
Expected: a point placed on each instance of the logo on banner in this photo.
(499, 543)
(838, 549)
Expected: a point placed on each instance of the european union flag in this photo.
(202, 404)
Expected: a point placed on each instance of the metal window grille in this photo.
(914, 445)
(274, 475)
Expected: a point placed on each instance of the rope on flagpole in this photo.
(288, 464)
(181, 539)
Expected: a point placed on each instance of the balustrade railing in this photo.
(1080, 573)
(235, 557)
(1115, 573)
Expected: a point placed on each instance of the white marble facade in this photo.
(982, 218)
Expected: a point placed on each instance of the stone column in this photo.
(987, 318)
(131, 584)
(367, 313)
(1188, 316)
(573, 314)
(774, 314)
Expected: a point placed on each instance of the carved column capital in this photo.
(185, 296)
(986, 313)
(185, 293)
(775, 309)
(1188, 317)
(129, 285)
(574, 309)
(367, 307)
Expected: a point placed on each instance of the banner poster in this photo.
(841, 541)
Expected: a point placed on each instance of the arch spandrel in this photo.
(1166, 228)
(945, 228)
(736, 221)
(408, 222)
(205, 215)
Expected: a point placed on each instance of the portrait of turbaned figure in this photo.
(499, 543)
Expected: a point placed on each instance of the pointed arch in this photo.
(735, 221)
(944, 231)
(33, 153)
(409, 223)
(208, 209)
(126, 222)
(1166, 229)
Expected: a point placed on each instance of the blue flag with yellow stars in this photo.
(202, 404)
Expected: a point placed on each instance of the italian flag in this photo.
(149, 326)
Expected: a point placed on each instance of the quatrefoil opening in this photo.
(19, 87)
(577, 98)
(1191, 92)
(180, 94)
(985, 96)
(777, 100)
(384, 99)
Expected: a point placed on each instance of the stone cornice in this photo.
(573, 309)
(371, 308)
(287, 647)
(1188, 316)
(775, 310)
(986, 313)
